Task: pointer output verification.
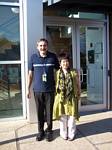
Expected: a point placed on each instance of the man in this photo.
(41, 72)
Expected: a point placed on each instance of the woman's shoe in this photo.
(71, 139)
(65, 138)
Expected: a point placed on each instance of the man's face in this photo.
(42, 47)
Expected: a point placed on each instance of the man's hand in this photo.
(29, 94)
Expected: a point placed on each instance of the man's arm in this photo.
(30, 79)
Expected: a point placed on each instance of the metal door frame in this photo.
(75, 23)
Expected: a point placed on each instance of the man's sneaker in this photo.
(40, 136)
(49, 136)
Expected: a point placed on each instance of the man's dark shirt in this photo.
(40, 65)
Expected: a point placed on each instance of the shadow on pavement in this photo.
(96, 127)
(83, 130)
(18, 139)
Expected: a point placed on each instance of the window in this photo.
(10, 65)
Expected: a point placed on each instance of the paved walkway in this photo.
(94, 132)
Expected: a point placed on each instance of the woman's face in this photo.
(64, 64)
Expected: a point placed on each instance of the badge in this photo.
(44, 77)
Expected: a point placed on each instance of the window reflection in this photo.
(60, 39)
(9, 33)
(9, 0)
(10, 90)
(91, 63)
(73, 14)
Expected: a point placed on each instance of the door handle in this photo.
(81, 72)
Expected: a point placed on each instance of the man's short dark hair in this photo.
(43, 39)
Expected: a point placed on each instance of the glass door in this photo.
(85, 42)
(91, 64)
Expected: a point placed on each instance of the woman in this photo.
(66, 98)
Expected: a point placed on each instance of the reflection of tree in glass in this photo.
(3, 42)
(9, 50)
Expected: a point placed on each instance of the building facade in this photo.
(83, 29)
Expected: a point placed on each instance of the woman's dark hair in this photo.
(63, 55)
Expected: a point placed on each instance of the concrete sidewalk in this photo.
(94, 132)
